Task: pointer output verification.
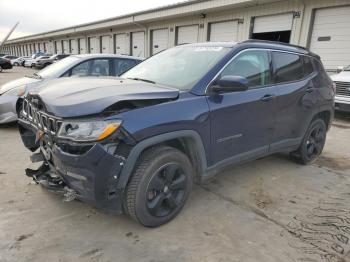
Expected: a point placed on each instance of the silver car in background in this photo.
(342, 94)
(72, 66)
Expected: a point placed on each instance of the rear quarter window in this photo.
(308, 66)
(287, 67)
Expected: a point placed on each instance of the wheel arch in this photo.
(187, 141)
(325, 115)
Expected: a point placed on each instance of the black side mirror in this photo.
(230, 84)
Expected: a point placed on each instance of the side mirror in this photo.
(230, 84)
(340, 68)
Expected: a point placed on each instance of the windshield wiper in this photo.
(141, 79)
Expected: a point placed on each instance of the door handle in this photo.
(267, 98)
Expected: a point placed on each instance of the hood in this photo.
(16, 83)
(72, 97)
(343, 76)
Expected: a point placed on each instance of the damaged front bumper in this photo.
(91, 176)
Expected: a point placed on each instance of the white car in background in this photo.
(31, 62)
(72, 66)
(342, 94)
(18, 61)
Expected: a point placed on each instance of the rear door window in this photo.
(287, 67)
(99, 67)
(122, 65)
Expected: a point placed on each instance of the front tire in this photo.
(159, 186)
(313, 142)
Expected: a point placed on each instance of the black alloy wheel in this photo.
(313, 142)
(159, 186)
(166, 190)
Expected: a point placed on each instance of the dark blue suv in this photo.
(136, 144)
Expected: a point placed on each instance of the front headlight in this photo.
(88, 131)
(17, 91)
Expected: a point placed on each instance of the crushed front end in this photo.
(85, 169)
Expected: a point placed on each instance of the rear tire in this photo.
(159, 186)
(313, 142)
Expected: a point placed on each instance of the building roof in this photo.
(138, 17)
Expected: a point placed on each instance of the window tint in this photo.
(121, 65)
(100, 67)
(81, 69)
(288, 67)
(308, 67)
(253, 65)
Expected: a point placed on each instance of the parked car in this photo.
(137, 143)
(72, 66)
(342, 96)
(5, 64)
(18, 61)
(24, 60)
(44, 62)
(32, 62)
(1, 54)
(10, 57)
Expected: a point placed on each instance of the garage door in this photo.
(82, 46)
(223, 31)
(187, 34)
(138, 44)
(65, 44)
(49, 47)
(74, 46)
(273, 23)
(330, 37)
(94, 45)
(160, 40)
(121, 46)
(58, 47)
(106, 47)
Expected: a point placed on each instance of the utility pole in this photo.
(8, 35)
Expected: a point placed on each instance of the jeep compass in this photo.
(137, 143)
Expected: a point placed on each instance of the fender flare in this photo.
(141, 146)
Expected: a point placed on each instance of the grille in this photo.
(342, 88)
(40, 119)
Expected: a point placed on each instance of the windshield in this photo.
(179, 67)
(57, 67)
(347, 68)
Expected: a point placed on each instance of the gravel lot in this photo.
(272, 209)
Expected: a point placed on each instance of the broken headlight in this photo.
(88, 131)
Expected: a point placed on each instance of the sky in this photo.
(36, 16)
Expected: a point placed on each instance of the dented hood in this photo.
(72, 97)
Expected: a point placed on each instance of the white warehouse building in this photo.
(323, 26)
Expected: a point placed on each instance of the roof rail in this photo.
(273, 42)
